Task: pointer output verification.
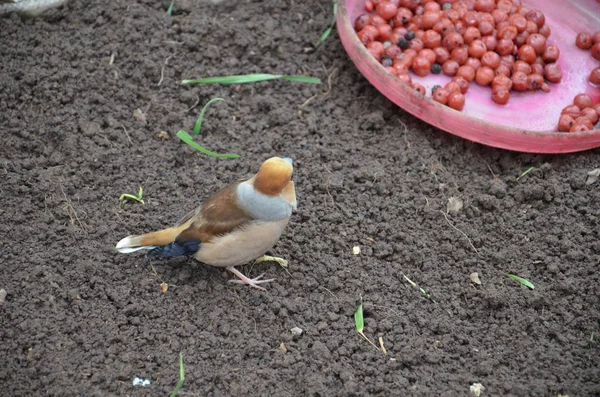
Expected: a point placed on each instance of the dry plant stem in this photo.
(460, 231)
(322, 93)
(162, 70)
(368, 340)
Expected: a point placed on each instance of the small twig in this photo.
(195, 103)
(495, 176)
(329, 86)
(331, 293)
(423, 292)
(71, 212)
(126, 133)
(162, 70)
(460, 231)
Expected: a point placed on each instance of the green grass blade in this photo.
(170, 9)
(324, 36)
(251, 78)
(198, 123)
(527, 171)
(359, 320)
(184, 136)
(521, 281)
(181, 377)
(302, 79)
(328, 31)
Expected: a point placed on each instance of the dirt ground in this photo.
(81, 319)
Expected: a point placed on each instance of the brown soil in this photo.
(81, 319)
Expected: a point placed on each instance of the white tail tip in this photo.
(130, 244)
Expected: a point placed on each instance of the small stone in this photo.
(477, 389)
(283, 348)
(139, 115)
(475, 278)
(140, 382)
(3, 294)
(454, 205)
(164, 136)
(296, 331)
(356, 250)
(593, 176)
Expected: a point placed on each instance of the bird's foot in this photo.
(267, 258)
(253, 282)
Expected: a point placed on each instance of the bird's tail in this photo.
(148, 241)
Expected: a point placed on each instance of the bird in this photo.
(237, 224)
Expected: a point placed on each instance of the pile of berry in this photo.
(582, 114)
(501, 44)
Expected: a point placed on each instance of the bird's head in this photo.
(273, 176)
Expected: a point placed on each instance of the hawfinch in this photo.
(238, 224)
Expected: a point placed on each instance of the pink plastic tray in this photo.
(528, 123)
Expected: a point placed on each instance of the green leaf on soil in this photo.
(527, 171)
(181, 377)
(328, 31)
(252, 78)
(184, 136)
(359, 320)
(126, 196)
(170, 9)
(198, 123)
(521, 281)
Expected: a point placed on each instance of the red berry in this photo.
(596, 51)
(572, 110)
(553, 72)
(387, 10)
(595, 76)
(441, 95)
(501, 96)
(584, 41)
(456, 101)
(551, 54)
(565, 122)
(583, 101)
(419, 88)
(421, 66)
(590, 114)
(580, 128)
(463, 84)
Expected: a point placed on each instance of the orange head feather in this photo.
(274, 175)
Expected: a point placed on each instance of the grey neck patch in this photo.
(261, 206)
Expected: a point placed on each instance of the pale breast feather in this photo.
(261, 206)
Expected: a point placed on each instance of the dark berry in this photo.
(405, 21)
(386, 60)
(435, 87)
(403, 43)
(436, 68)
(409, 35)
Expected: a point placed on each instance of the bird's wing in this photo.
(217, 216)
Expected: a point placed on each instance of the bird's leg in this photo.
(267, 258)
(253, 282)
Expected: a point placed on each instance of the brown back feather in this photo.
(217, 216)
